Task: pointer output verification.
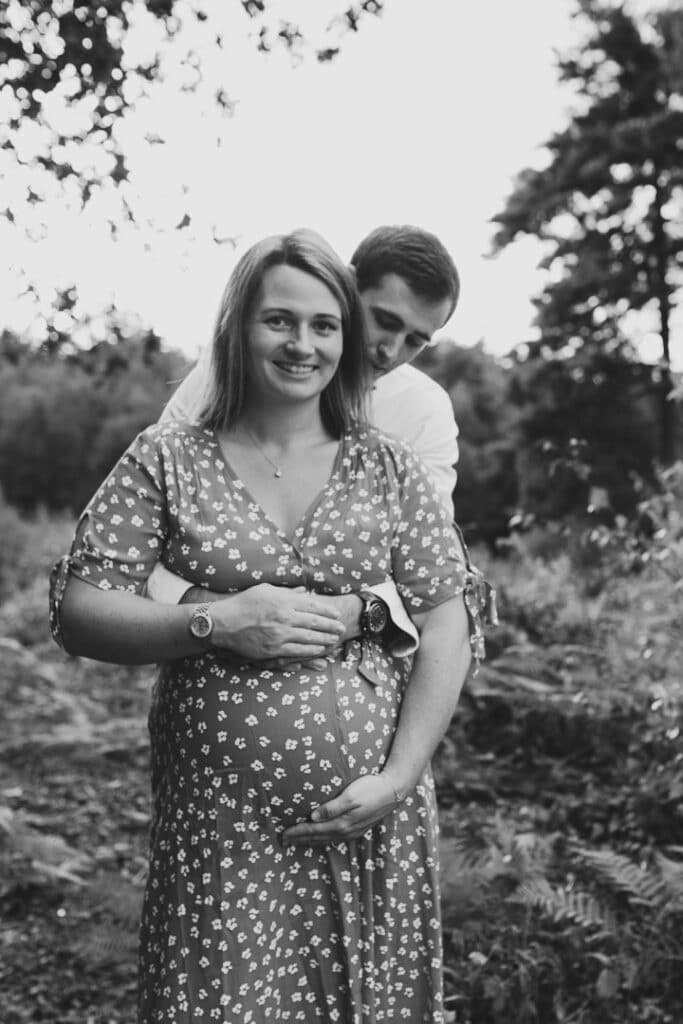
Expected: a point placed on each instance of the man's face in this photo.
(399, 322)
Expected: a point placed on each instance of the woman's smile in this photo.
(295, 369)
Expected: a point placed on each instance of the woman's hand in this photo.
(363, 803)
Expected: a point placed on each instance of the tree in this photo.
(67, 416)
(479, 388)
(585, 423)
(76, 55)
(609, 203)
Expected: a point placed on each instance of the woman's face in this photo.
(294, 337)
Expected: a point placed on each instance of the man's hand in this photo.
(363, 803)
(342, 608)
(267, 622)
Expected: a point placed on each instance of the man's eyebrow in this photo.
(389, 314)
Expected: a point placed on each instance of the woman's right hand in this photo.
(266, 622)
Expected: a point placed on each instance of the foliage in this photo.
(479, 388)
(545, 437)
(561, 779)
(90, 59)
(587, 422)
(608, 203)
(64, 420)
(27, 547)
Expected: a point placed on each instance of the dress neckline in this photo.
(313, 505)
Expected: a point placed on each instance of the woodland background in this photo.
(561, 778)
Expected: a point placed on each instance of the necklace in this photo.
(277, 469)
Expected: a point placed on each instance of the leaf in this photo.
(477, 958)
(565, 905)
(49, 854)
(607, 984)
(636, 882)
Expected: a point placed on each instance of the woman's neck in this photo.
(284, 426)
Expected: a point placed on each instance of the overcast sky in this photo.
(425, 118)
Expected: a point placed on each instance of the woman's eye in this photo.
(279, 323)
(324, 327)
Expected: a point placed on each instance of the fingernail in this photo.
(315, 816)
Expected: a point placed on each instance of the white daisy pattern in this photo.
(235, 927)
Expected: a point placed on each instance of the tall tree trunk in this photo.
(667, 419)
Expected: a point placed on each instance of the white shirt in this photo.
(410, 405)
(406, 403)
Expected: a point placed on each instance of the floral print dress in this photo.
(236, 928)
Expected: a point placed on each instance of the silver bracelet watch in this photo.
(201, 623)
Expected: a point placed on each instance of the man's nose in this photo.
(389, 345)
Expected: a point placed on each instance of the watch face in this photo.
(376, 617)
(201, 625)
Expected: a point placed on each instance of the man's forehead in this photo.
(394, 295)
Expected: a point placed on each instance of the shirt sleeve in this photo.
(436, 443)
(404, 638)
(165, 587)
(189, 399)
(427, 561)
(121, 534)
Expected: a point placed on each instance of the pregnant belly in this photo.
(298, 737)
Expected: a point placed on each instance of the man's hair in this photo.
(342, 401)
(413, 254)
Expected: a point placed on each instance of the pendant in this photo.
(278, 473)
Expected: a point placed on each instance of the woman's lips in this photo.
(296, 369)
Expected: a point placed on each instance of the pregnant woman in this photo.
(252, 913)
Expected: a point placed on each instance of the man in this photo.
(409, 288)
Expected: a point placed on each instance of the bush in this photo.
(29, 547)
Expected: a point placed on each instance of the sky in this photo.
(425, 118)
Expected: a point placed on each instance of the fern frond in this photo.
(564, 905)
(463, 854)
(672, 880)
(121, 898)
(106, 944)
(637, 883)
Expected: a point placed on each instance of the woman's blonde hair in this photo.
(342, 401)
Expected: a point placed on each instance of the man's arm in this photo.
(413, 407)
(403, 638)
(436, 442)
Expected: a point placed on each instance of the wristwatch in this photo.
(201, 623)
(374, 617)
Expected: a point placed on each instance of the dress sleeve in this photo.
(120, 535)
(427, 561)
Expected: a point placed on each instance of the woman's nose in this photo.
(300, 338)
